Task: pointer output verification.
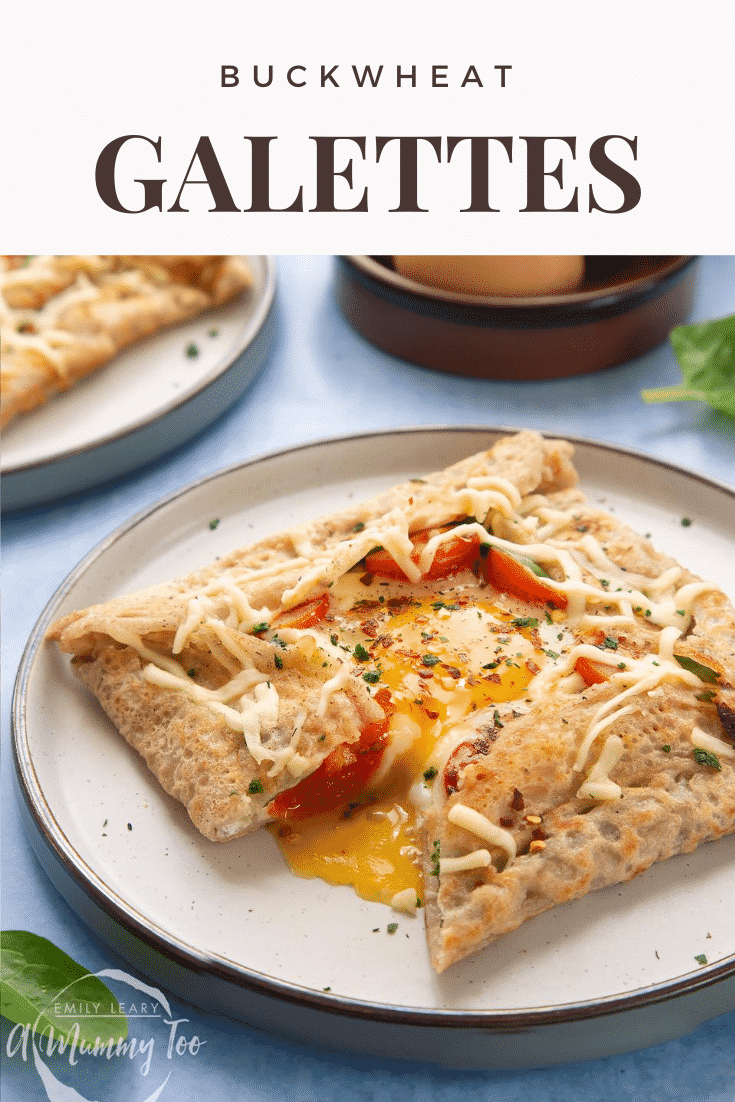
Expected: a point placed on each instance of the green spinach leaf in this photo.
(40, 984)
(706, 355)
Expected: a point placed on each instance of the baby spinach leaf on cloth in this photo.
(706, 355)
(43, 987)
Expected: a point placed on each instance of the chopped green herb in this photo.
(418, 481)
(706, 757)
(604, 582)
(214, 332)
(359, 526)
(701, 958)
(430, 659)
(496, 719)
(681, 612)
(436, 851)
(429, 773)
(326, 989)
(704, 673)
(436, 605)
(492, 665)
(255, 787)
(524, 622)
(686, 522)
(192, 351)
(551, 653)
(666, 749)
(191, 673)
(213, 523)
(360, 653)
(278, 661)
(622, 666)
(706, 697)
(130, 826)
(257, 628)
(535, 568)
(392, 927)
(372, 676)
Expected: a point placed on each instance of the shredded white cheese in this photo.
(598, 785)
(478, 859)
(406, 901)
(702, 741)
(476, 823)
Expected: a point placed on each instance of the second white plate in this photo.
(150, 399)
(232, 929)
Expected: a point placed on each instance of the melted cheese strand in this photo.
(238, 685)
(596, 729)
(130, 639)
(197, 611)
(478, 859)
(476, 823)
(406, 901)
(648, 674)
(598, 785)
(339, 680)
(333, 563)
(244, 614)
(230, 642)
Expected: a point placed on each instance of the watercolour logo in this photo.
(152, 1042)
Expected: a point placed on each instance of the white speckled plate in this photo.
(227, 926)
(152, 397)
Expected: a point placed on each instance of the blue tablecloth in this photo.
(323, 380)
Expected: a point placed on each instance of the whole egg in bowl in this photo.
(495, 275)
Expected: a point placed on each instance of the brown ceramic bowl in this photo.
(626, 305)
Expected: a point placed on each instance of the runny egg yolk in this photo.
(443, 656)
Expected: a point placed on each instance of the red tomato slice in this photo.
(593, 673)
(450, 558)
(340, 777)
(305, 615)
(506, 573)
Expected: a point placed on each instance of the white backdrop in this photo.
(78, 75)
